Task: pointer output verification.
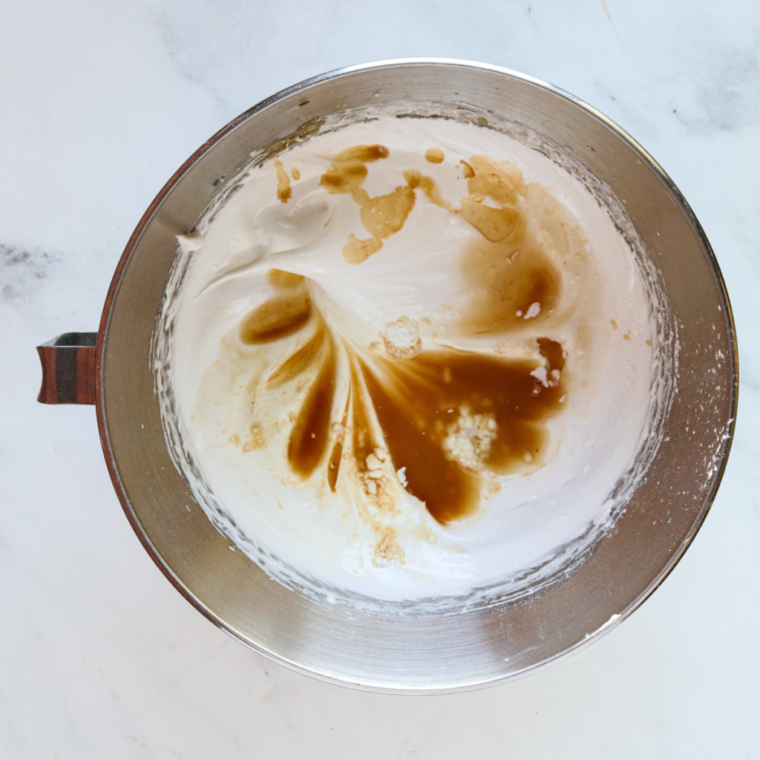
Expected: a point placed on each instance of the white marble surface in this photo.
(99, 655)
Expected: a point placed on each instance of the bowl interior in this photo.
(415, 653)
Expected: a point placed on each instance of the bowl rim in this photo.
(336, 74)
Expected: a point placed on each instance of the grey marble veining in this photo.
(100, 657)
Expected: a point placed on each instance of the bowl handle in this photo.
(68, 369)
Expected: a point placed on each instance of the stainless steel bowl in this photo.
(414, 653)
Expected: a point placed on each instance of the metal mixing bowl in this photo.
(417, 653)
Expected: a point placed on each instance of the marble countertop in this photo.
(100, 657)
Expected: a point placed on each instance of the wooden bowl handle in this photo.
(68, 369)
